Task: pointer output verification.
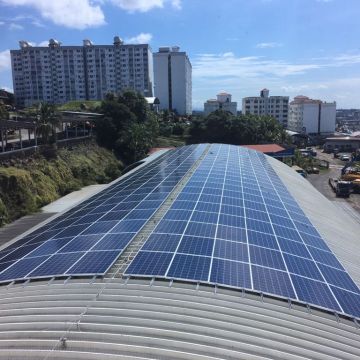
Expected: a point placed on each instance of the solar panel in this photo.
(235, 224)
(87, 239)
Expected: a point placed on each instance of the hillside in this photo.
(28, 184)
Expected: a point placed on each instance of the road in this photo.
(321, 182)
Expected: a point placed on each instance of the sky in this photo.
(292, 47)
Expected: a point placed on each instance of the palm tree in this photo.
(47, 121)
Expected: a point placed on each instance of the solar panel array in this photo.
(89, 238)
(235, 224)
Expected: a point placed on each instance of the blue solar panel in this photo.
(190, 267)
(100, 227)
(230, 273)
(338, 278)
(231, 233)
(162, 242)
(150, 263)
(231, 250)
(272, 281)
(348, 301)
(235, 203)
(196, 228)
(196, 245)
(262, 239)
(50, 247)
(314, 292)
(304, 267)
(104, 224)
(266, 257)
(325, 257)
(21, 268)
(114, 241)
(98, 261)
(57, 264)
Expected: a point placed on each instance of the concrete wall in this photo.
(328, 118)
(161, 79)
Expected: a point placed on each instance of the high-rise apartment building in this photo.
(312, 116)
(275, 106)
(173, 81)
(222, 102)
(58, 73)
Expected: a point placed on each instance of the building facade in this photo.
(275, 106)
(222, 102)
(312, 116)
(59, 74)
(173, 80)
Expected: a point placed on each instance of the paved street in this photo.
(321, 182)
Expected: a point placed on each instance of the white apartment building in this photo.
(59, 74)
(222, 102)
(275, 106)
(173, 80)
(312, 116)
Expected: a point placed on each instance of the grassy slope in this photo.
(90, 105)
(28, 184)
(173, 140)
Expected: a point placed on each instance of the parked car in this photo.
(300, 171)
(312, 151)
(345, 157)
(312, 170)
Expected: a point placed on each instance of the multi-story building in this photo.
(275, 106)
(222, 102)
(312, 116)
(173, 81)
(58, 73)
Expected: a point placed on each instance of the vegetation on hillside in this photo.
(80, 105)
(28, 184)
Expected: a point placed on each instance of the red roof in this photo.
(266, 148)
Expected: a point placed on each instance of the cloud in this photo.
(41, 43)
(14, 26)
(304, 87)
(176, 4)
(77, 14)
(5, 62)
(245, 75)
(27, 18)
(268, 45)
(6, 88)
(227, 64)
(142, 38)
(144, 5)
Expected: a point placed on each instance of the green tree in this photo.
(46, 122)
(223, 127)
(136, 103)
(128, 126)
(4, 115)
